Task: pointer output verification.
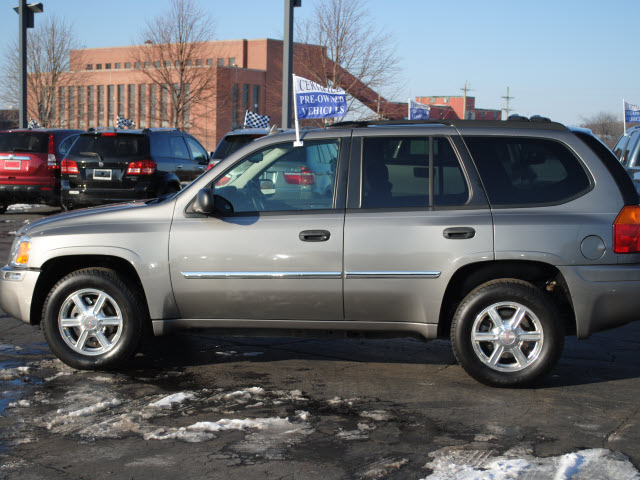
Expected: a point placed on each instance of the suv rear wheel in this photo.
(92, 319)
(506, 333)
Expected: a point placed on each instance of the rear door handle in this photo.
(314, 235)
(458, 233)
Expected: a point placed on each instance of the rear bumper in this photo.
(16, 291)
(603, 296)
(15, 193)
(74, 197)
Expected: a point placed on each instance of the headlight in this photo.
(20, 252)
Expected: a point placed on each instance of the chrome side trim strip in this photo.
(261, 275)
(14, 157)
(369, 275)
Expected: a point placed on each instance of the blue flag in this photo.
(315, 101)
(631, 113)
(418, 111)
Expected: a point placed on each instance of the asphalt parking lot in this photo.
(197, 405)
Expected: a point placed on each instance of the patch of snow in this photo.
(379, 415)
(20, 207)
(170, 400)
(594, 464)
(13, 373)
(227, 354)
(19, 403)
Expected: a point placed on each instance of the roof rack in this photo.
(515, 122)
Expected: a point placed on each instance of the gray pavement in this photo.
(197, 405)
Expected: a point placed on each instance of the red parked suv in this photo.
(30, 165)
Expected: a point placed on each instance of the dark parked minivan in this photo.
(30, 164)
(108, 166)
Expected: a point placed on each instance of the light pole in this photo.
(26, 14)
(287, 61)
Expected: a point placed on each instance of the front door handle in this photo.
(458, 233)
(314, 235)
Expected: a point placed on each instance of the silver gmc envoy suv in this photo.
(502, 236)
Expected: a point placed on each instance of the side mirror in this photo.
(204, 204)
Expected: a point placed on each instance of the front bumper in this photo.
(17, 286)
(603, 296)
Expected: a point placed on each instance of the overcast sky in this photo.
(565, 59)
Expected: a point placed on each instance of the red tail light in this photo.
(305, 177)
(109, 134)
(52, 162)
(626, 230)
(142, 167)
(69, 167)
(223, 181)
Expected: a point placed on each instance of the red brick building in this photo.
(452, 108)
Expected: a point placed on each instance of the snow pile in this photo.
(594, 464)
(170, 400)
(13, 373)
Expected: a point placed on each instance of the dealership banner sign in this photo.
(418, 111)
(312, 100)
(631, 113)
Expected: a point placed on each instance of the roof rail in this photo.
(513, 122)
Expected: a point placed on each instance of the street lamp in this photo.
(26, 14)
(287, 61)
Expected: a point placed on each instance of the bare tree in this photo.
(48, 68)
(352, 53)
(171, 52)
(606, 126)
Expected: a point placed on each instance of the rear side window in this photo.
(396, 173)
(527, 171)
(32, 142)
(232, 143)
(111, 146)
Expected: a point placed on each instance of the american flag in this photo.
(253, 120)
(122, 122)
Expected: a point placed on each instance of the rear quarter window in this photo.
(519, 171)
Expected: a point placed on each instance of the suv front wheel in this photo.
(506, 333)
(92, 319)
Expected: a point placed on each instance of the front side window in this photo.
(411, 172)
(198, 153)
(282, 178)
(527, 171)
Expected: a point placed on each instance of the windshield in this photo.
(34, 142)
(231, 144)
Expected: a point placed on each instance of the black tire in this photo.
(497, 355)
(113, 327)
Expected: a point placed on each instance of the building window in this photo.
(446, 99)
(101, 105)
(256, 98)
(209, 61)
(187, 106)
(221, 62)
(167, 63)
(142, 107)
(90, 105)
(81, 113)
(118, 65)
(110, 103)
(107, 66)
(128, 64)
(189, 63)
(164, 104)
(177, 63)
(62, 111)
(232, 62)
(89, 66)
(245, 98)
(98, 66)
(234, 105)
(132, 103)
(198, 62)
(72, 106)
(156, 64)
(121, 100)
(153, 101)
